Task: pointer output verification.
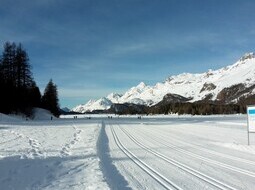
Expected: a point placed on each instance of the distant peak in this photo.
(141, 85)
(246, 56)
(113, 94)
(91, 101)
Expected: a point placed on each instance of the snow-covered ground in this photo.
(155, 152)
(50, 155)
(183, 153)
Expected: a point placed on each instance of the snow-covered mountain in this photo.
(101, 104)
(235, 81)
(114, 97)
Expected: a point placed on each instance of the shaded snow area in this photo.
(50, 156)
(7, 118)
(155, 152)
(42, 114)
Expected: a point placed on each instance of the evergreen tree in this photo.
(50, 99)
(19, 92)
(23, 72)
(8, 103)
(35, 96)
(8, 58)
(2, 107)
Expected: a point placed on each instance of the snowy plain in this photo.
(155, 152)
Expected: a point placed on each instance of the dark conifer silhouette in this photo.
(22, 71)
(19, 92)
(50, 99)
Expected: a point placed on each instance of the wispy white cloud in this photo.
(163, 41)
(87, 92)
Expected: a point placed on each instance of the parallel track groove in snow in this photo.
(227, 166)
(145, 167)
(208, 160)
(208, 151)
(200, 175)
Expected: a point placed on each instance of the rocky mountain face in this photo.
(228, 85)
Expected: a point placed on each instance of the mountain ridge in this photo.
(212, 85)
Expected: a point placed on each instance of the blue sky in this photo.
(93, 47)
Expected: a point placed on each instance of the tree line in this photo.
(180, 108)
(19, 92)
(196, 108)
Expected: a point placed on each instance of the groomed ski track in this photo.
(154, 157)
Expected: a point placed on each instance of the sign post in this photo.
(250, 121)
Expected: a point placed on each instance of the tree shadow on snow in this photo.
(113, 177)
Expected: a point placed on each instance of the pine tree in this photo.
(23, 72)
(2, 107)
(8, 58)
(34, 96)
(16, 81)
(50, 99)
(7, 77)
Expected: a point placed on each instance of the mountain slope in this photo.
(226, 85)
(101, 104)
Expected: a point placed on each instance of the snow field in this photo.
(185, 153)
(160, 152)
(50, 157)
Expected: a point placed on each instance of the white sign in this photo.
(251, 118)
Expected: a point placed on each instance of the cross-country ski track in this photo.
(155, 152)
(156, 156)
